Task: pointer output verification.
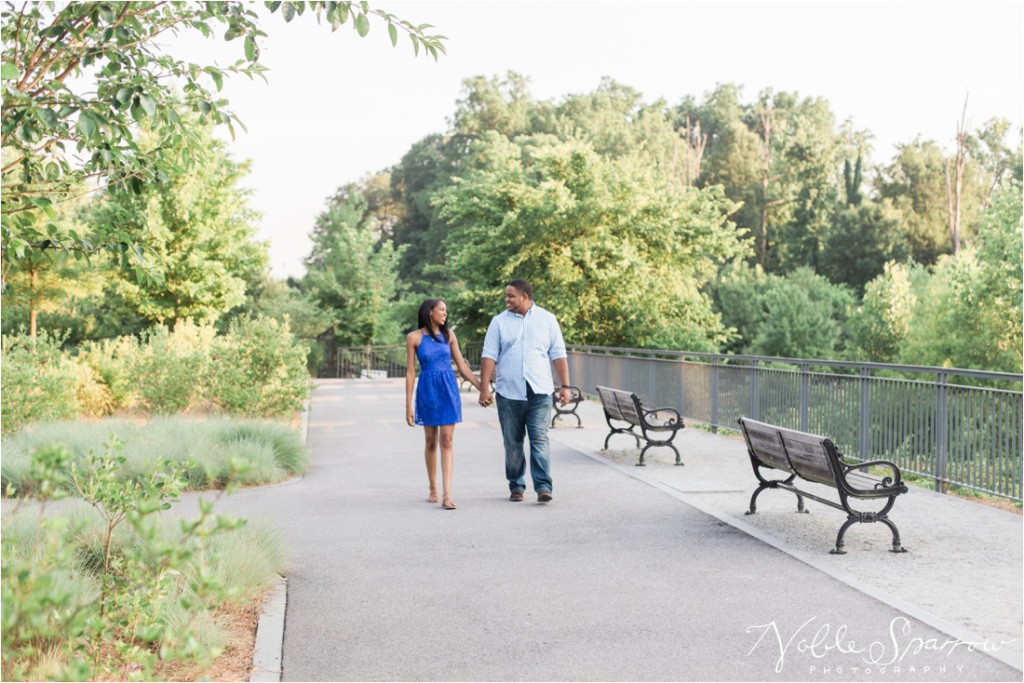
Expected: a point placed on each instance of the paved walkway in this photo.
(630, 574)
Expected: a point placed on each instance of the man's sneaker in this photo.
(516, 496)
(544, 496)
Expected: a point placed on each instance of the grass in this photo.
(266, 451)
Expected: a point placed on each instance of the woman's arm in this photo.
(411, 342)
(462, 365)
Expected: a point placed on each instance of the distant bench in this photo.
(624, 406)
(570, 407)
(816, 459)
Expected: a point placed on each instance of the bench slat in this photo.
(808, 456)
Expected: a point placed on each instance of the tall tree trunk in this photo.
(954, 185)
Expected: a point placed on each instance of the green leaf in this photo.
(415, 44)
(362, 25)
(218, 77)
(8, 71)
(251, 52)
(393, 34)
(124, 95)
(48, 117)
(86, 124)
(148, 104)
(288, 11)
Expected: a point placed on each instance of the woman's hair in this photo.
(424, 317)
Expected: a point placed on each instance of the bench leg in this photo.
(642, 463)
(753, 499)
(896, 546)
(838, 550)
(621, 431)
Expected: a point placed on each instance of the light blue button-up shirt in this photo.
(523, 347)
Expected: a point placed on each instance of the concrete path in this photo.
(630, 574)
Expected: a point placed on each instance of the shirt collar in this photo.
(529, 311)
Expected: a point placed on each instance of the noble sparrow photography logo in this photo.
(840, 650)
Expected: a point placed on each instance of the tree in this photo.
(885, 314)
(969, 313)
(804, 317)
(201, 236)
(79, 77)
(351, 273)
(859, 241)
(610, 250)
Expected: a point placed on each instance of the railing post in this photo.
(755, 392)
(805, 396)
(865, 414)
(714, 395)
(941, 434)
(650, 380)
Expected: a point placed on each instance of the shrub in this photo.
(37, 381)
(258, 369)
(114, 360)
(172, 367)
(87, 596)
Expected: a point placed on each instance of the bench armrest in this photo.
(887, 481)
(675, 417)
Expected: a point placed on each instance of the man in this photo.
(522, 343)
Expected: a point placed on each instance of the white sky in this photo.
(339, 107)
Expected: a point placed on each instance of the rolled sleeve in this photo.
(491, 342)
(557, 349)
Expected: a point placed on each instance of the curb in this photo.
(268, 651)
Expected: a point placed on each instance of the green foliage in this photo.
(970, 309)
(799, 315)
(120, 594)
(737, 293)
(213, 452)
(609, 248)
(172, 366)
(353, 274)
(82, 76)
(38, 381)
(258, 370)
(200, 237)
(885, 314)
(804, 317)
(859, 242)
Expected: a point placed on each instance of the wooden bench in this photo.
(816, 459)
(623, 406)
(570, 407)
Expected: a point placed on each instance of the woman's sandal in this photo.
(432, 498)
(448, 504)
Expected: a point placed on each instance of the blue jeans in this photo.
(517, 419)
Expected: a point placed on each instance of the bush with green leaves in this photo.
(171, 369)
(119, 591)
(257, 369)
(38, 381)
(114, 361)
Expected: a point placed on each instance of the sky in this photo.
(339, 107)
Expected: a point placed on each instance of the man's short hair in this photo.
(523, 287)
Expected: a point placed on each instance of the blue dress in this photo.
(438, 401)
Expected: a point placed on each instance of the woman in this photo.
(438, 401)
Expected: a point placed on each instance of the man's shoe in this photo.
(544, 496)
(516, 496)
